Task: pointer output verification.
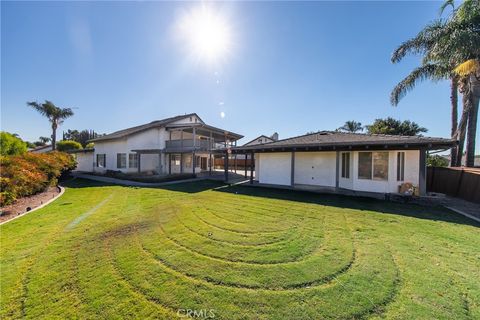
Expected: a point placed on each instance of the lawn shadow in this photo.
(435, 213)
(178, 186)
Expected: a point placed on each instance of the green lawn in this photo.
(236, 253)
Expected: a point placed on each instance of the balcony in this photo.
(186, 145)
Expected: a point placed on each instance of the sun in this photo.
(206, 33)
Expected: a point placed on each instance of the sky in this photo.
(290, 67)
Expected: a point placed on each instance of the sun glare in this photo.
(206, 34)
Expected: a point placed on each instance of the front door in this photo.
(203, 163)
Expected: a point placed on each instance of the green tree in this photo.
(437, 161)
(54, 114)
(351, 126)
(11, 145)
(44, 140)
(66, 145)
(395, 127)
(445, 44)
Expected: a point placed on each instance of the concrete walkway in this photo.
(463, 207)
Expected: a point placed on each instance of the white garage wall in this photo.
(84, 161)
(275, 167)
(319, 169)
(315, 168)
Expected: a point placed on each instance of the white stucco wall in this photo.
(274, 168)
(319, 169)
(391, 185)
(315, 168)
(85, 161)
(150, 139)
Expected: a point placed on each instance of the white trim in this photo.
(62, 190)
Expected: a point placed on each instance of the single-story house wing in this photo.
(338, 160)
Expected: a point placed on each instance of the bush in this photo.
(11, 145)
(30, 173)
(437, 161)
(66, 145)
(90, 145)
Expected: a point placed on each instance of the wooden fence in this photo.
(462, 183)
(219, 163)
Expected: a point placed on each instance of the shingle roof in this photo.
(154, 124)
(342, 139)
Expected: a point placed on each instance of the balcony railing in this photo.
(188, 144)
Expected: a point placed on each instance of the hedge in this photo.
(30, 173)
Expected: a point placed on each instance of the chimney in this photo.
(274, 136)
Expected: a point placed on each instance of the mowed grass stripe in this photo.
(372, 259)
(297, 248)
(166, 284)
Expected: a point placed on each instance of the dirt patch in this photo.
(21, 206)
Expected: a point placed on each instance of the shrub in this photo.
(30, 173)
(90, 145)
(66, 145)
(11, 145)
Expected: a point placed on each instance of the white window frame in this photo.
(401, 166)
(345, 174)
(121, 160)
(133, 160)
(373, 163)
(102, 156)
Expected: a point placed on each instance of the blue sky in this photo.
(292, 67)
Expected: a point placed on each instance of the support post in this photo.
(337, 170)
(292, 170)
(245, 164)
(181, 162)
(210, 163)
(194, 138)
(225, 165)
(422, 174)
(251, 167)
(193, 161)
(169, 163)
(235, 164)
(139, 157)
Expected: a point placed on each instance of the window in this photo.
(373, 165)
(121, 160)
(101, 159)
(175, 158)
(400, 166)
(188, 161)
(364, 165)
(346, 165)
(133, 160)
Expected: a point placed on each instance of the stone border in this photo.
(62, 191)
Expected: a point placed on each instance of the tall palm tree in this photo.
(433, 69)
(444, 45)
(470, 71)
(351, 126)
(55, 115)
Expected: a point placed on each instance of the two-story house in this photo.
(180, 144)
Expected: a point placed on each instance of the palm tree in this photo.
(351, 126)
(444, 45)
(55, 115)
(470, 71)
(433, 69)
